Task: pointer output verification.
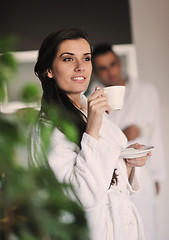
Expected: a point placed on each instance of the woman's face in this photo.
(72, 66)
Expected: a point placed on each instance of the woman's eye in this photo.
(87, 59)
(67, 59)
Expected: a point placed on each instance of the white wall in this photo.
(150, 29)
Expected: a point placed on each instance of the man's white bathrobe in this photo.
(142, 108)
(110, 213)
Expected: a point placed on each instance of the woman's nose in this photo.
(79, 66)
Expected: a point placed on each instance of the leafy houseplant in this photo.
(8, 64)
(33, 204)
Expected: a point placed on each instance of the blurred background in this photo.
(139, 25)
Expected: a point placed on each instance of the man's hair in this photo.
(101, 49)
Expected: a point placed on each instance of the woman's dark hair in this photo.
(52, 94)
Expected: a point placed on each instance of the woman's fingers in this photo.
(137, 162)
(136, 146)
(149, 154)
(98, 102)
(97, 94)
(97, 105)
(141, 161)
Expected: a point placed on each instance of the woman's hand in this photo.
(97, 105)
(136, 162)
(140, 161)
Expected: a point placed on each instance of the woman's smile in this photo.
(79, 79)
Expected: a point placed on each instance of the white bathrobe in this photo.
(142, 108)
(110, 213)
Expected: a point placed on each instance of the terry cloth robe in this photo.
(142, 108)
(110, 213)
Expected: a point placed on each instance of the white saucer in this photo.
(134, 153)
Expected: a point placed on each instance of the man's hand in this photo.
(132, 132)
(157, 187)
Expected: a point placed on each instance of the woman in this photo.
(102, 180)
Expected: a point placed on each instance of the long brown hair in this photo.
(52, 94)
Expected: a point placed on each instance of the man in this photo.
(140, 120)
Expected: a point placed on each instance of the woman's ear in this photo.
(49, 73)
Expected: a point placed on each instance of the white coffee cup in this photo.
(115, 95)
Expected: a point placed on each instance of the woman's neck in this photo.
(75, 98)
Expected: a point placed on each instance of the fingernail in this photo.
(97, 88)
